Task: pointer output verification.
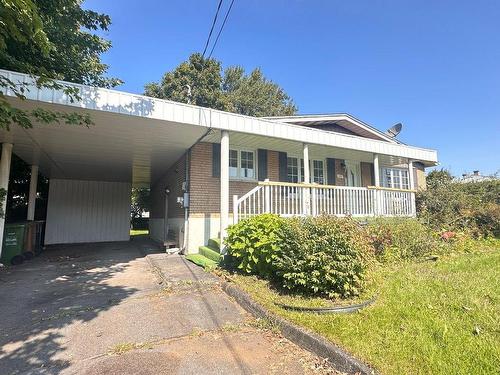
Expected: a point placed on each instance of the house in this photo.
(205, 168)
(475, 176)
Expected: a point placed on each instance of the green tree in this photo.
(200, 81)
(50, 39)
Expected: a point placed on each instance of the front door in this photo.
(353, 173)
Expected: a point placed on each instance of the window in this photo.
(233, 163)
(396, 178)
(318, 172)
(247, 165)
(297, 175)
(242, 164)
(293, 170)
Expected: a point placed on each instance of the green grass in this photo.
(138, 232)
(430, 317)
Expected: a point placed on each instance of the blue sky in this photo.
(432, 65)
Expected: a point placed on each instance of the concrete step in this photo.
(209, 253)
(214, 244)
(201, 261)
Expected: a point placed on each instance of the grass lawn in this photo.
(438, 317)
(138, 232)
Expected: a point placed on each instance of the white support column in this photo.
(4, 183)
(376, 170)
(307, 176)
(307, 180)
(411, 181)
(32, 193)
(378, 195)
(224, 186)
(411, 185)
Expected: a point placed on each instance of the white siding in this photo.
(87, 211)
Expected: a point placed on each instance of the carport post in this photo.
(4, 183)
(224, 186)
(32, 194)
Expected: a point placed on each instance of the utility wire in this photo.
(212, 28)
(221, 28)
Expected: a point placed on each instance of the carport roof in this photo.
(136, 138)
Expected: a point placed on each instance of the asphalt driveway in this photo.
(103, 309)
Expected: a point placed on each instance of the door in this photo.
(353, 173)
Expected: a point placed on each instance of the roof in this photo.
(344, 119)
(134, 133)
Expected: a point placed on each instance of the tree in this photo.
(200, 81)
(254, 94)
(141, 201)
(50, 39)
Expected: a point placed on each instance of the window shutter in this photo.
(262, 164)
(330, 171)
(372, 171)
(215, 159)
(283, 175)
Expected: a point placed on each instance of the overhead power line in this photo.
(221, 28)
(212, 28)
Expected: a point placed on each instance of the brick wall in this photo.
(205, 189)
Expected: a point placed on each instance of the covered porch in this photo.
(294, 178)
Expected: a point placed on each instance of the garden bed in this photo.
(429, 317)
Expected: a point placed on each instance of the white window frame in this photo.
(395, 174)
(300, 168)
(239, 175)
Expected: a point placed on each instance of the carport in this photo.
(92, 169)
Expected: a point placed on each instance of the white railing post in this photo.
(235, 209)
(314, 206)
(413, 205)
(267, 197)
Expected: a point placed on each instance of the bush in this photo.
(322, 256)
(472, 207)
(400, 238)
(252, 242)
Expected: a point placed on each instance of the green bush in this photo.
(401, 238)
(322, 256)
(252, 242)
(472, 207)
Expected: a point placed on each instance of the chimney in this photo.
(476, 173)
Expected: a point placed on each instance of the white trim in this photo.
(136, 105)
(255, 166)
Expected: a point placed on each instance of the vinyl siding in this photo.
(87, 211)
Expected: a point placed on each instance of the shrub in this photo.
(400, 238)
(472, 207)
(323, 256)
(252, 242)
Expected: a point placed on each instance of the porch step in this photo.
(209, 253)
(214, 244)
(201, 261)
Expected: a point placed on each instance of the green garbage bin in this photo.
(13, 244)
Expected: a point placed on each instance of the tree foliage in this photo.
(456, 206)
(233, 90)
(141, 201)
(50, 39)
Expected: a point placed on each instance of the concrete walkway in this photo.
(104, 309)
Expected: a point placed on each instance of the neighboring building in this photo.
(475, 176)
(205, 168)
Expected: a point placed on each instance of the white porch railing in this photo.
(289, 199)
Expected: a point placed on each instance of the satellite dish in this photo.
(395, 130)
